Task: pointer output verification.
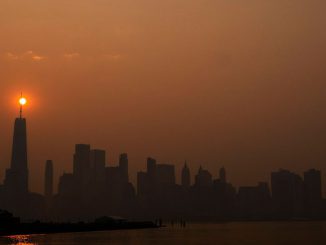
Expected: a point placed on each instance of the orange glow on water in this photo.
(20, 240)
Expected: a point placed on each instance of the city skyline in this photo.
(162, 122)
(133, 176)
(93, 189)
(233, 83)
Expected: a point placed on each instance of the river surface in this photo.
(262, 233)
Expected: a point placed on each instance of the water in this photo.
(262, 233)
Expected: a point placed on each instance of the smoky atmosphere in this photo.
(217, 83)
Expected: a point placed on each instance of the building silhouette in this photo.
(203, 178)
(185, 176)
(254, 202)
(225, 196)
(287, 194)
(16, 179)
(95, 188)
(222, 175)
(312, 193)
(98, 188)
(157, 190)
(81, 165)
(48, 188)
(48, 180)
(123, 165)
(97, 162)
(14, 194)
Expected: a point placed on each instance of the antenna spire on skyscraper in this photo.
(22, 102)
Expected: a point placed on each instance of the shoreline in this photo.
(52, 228)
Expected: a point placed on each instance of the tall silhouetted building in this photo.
(142, 184)
(312, 184)
(97, 162)
(66, 185)
(312, 192)
(94, 190)
(165, 174)
(151, 169)
(203, 178)
(222, 175)
(16, 180)
(123, 165)
(287, 193)
(157, 174)
(185, 176)
(15, 195)
(253, 202)
(48, 180)
(82, 169)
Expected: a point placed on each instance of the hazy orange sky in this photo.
(233, 83)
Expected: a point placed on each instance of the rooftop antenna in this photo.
(22, 102)
(21, 106)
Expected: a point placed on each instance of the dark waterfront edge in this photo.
(51, 228)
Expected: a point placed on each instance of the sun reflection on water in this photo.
(20, 240)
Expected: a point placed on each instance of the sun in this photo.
(22, 101)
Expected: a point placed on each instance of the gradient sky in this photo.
(233, 83)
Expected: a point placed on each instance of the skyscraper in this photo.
(185, 176)
(312, 185)
(151, 168)
(97, 161)
(203, 178)
(165, 174)
(312, 192)
(222, 175)
(123, 165)
(48, 180)
(16, 179)
(287, 193)
(82, 168)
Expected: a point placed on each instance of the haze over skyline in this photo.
(238, 84)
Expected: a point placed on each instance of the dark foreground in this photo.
(47, 228)
(234, 233)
